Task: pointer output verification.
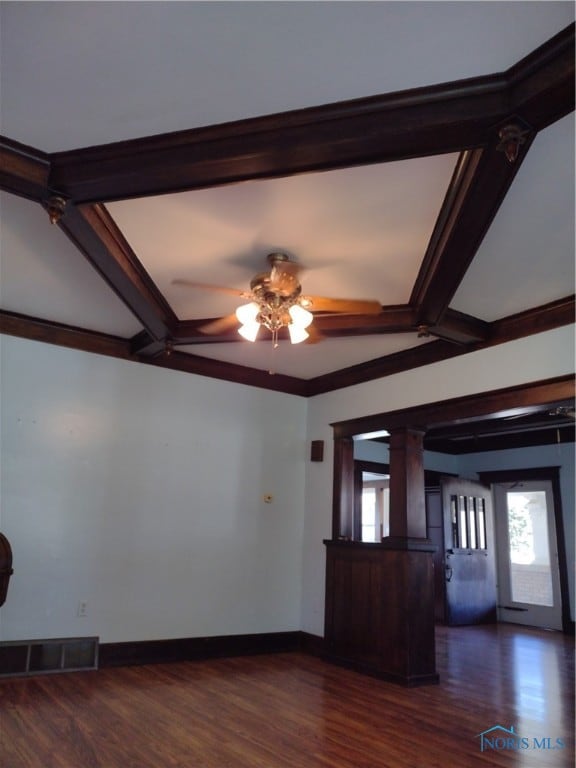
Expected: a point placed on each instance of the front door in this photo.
(528, 572)
(470, 563)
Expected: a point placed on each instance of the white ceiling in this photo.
(75, 74)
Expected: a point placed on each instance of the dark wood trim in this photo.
(313, 645)
(380, 367)
(538, 320)
(23, 170)
(49, 332)
(415, 123)
(96, 235)
(507, 401)
(460, 328)
(449, 117)
(500, 441)
(71, 337)
(542, 84)
(144, 345)
(239, 374)
(196, 648)
(553, 475)
(477, 190)
(454, 199)
(343, 489)
(555, 314)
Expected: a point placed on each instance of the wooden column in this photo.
(380, 597)
(407, 498)
(343, 488)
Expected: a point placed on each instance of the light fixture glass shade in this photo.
(300, 316)
(250, 330)
(247, 313)
(297, 333)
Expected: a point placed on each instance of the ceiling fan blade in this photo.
(220, 325)
(209, 287)
(346, 306)
(314, 335)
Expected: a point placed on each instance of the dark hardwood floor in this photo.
(293, 710)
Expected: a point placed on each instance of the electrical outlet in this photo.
(82, 608)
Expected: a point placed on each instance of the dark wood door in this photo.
(470, 563)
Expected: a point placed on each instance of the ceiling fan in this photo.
(275, 301)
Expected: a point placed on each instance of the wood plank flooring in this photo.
(295, 711)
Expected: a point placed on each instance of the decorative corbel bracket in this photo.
(512, 136)
(55, 206)
(423, 331)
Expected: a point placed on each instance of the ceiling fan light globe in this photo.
(247, 313)
(249, 331)
(300, 316)
(297, 333)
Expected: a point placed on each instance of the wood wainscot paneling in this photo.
(380, 609)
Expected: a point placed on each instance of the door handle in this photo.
(448, 572)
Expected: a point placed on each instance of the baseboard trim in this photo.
(196, 648)
(311, 644)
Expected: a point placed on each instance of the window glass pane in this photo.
(462, 526)
(369, 520)
(472, 522)
(386, 513)
(454, 521)
(530, 572)
(481, 519)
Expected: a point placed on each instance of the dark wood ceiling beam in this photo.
(239, 374)
(419, 122)
(479, 185)
(95, 234)
(460, 328)
(62, 335)
(553, 315)
(542, 84)
(146, 346)
(24, 170)
(541, 90)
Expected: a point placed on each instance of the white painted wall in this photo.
(531, 359)
(140, 491)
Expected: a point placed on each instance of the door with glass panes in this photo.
(469, 560)
(528, 572)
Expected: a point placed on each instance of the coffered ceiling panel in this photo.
(527, 257)
(43, 275)
(359, 232)
(417, 154)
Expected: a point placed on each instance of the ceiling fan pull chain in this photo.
(271, 370)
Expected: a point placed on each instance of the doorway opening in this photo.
(531, 568)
